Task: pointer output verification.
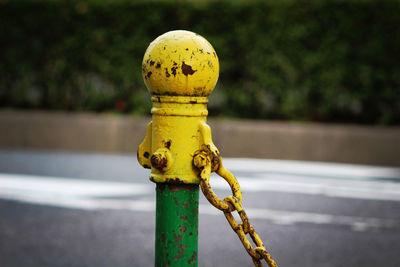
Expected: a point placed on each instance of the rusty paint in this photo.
(161, 186)
(161, 159)
(163, 237)
(146, 155)
(167, 73)
(187, 69)
(146, 166)
(174, 181)
(182, 229)
(173, 70)
(178, 238)
(181, 252)
(168, 144)
(175, 238)
(183, 218)
(182, 46)
(193, 257)
(176, 201)
(158, 162)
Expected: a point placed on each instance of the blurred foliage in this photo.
(335, 61)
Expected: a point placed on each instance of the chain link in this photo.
(206, 161)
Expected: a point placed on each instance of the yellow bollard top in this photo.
(180, 63)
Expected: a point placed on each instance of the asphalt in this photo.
(330, 225)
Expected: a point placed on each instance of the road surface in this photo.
(86, 209)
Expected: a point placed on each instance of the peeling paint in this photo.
(187, 69)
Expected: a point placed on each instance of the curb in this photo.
(373, 145)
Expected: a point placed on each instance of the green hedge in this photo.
(336, 61)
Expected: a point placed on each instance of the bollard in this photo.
(180, 69)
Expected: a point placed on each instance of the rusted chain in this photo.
(203, 161)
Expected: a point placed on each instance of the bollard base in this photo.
(176, 224)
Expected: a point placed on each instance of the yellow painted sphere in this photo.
(180, 63)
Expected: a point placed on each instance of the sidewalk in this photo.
(234, 138)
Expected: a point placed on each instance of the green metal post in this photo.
(176, 225)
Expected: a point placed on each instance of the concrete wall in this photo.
(234, 138)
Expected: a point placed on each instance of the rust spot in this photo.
(164, 47)
(174, 181)
(181, 252)
(175, 63)
(185, 204)
(210, 64)
(146, 166)
(149, 74)
(215, 55)
(160, 186)
(158, 162)
(167, 144)
(182, 229)
(146, 155)
(215, 160)
(175, 200)
(178, 238)
(158, 65)
(162, 237)
(201, 51)
(187, 49)
(183, 218)
(208, 52)
(187, 69)
(193, 257)
(167, 73)
(199, 90)
(193, 101)
(190, 234)
(151, 62)
(173, 70)
(174, 188)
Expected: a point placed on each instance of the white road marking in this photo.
(92, 195)
(273, 216)
(374, 190)
(310, 169)
(59, 187)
